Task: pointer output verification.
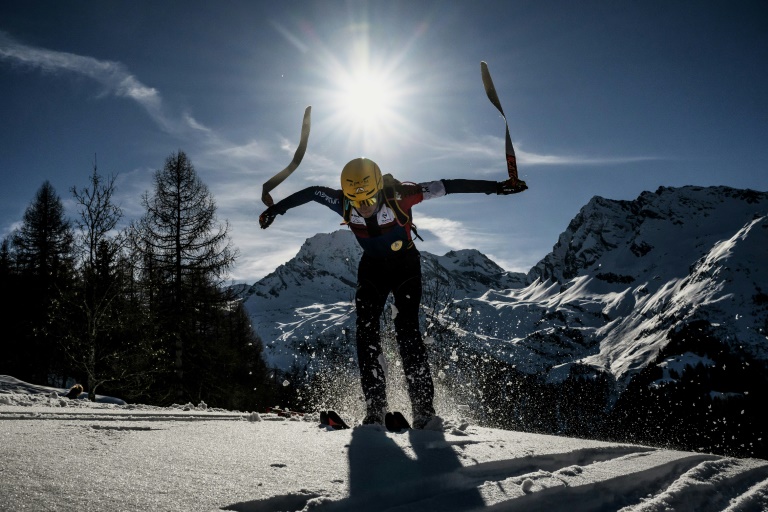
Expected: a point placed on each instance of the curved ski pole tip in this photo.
(490, 89)
(297, 157)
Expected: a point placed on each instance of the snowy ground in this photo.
(60, 454)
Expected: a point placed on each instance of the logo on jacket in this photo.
(386, 215)
(328, 199)
(397, 245)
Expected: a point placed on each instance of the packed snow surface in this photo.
(61, 454)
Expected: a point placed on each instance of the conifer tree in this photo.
(43, 253)
(186, 253)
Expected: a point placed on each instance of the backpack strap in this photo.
(346, 210)
(392, 192)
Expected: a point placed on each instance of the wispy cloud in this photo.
(113, 76)
(539, 159)
(253, 150)
(490, 147)
(451, 233)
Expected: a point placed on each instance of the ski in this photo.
(490, 90)
(396, 422)
(333, 420)
(297, 156)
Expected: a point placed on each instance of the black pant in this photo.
(376, 279)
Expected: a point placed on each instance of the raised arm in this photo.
(440, 188)
(323, 195)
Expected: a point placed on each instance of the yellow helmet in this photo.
(361, 181)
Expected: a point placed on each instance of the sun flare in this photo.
(367, 98)
(369, 106)
(371, 95)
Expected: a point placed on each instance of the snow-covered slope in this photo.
(71, 455)
(621, 279)
(626, 274)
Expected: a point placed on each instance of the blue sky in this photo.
(606, 98)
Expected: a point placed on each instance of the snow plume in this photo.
(113, 76)
(332, 379)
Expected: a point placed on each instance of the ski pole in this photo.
(490, 90)
(279, 177)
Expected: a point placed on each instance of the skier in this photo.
(377, 208)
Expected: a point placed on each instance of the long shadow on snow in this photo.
(383, 476)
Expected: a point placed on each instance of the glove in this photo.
(510, 186)
(266, 218)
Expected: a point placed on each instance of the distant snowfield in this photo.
(71, 455)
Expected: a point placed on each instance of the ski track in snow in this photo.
(207, 460)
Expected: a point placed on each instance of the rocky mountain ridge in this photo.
(648, 316)
(618, 279)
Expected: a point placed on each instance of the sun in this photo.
(369, 105)
(371, 94)
(367, 97)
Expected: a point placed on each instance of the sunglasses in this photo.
(363, 202)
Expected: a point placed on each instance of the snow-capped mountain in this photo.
(626, 274)
(312, 295)
(621, 277)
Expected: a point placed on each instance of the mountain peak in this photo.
(616, 234)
